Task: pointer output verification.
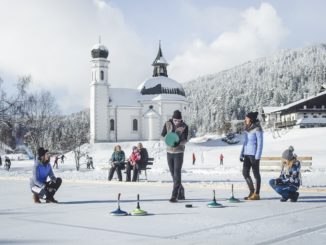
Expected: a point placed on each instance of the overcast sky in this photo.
(51, 40)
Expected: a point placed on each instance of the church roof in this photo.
(161, 85)
(99, 51)
(124, 97)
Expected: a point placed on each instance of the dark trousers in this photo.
(51, 187)
(134, 169)
(175, 161)
(285, 190)
(221, 161)
(112, 170)
(248, 163)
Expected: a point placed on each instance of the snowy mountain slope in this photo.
(282, 78)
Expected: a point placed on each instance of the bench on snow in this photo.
(145, 167)
(275, 163)
(142, 168)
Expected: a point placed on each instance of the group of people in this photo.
(289, 181)
(7, 164)
(287, 184)
(56, 161)
(136, 161)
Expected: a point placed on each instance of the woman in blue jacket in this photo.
(42, 170)
(251, 153)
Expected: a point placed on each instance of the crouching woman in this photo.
(287, 185)
(42, 170)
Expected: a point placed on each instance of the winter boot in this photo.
(50, 199)
(173, 200)
(250, 194)
(254, 197)
(283, 199)
(36, 198)
(294, 196)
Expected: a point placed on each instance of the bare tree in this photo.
(10, 108)
(75, 134)
(39, 113)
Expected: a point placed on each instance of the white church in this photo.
(123, 114)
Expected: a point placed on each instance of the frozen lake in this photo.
(83, 216)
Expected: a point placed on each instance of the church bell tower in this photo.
(99, 97)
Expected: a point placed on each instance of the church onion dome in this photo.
(99, 51)
(161, 85)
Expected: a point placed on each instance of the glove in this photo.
(53, 179)
(279, 181)
(241, 159)
(176, 143)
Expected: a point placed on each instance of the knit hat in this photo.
(41, 152)
(253, 116)
(177, 114)
(134, 148)
(288, 154)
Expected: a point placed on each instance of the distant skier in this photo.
(251, 153)
(7, 164)
(193, 158)
(89, 162)
(175, 153)
(42, 170)
(287, 185)
(221, 159)
(0, 161)
(56, 159)
(62, 158)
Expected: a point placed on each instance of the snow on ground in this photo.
(86, 198)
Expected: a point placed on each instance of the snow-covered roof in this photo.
(99, 46)
(124, 97)
(281, 108)
(269, 109)
(166, 82)
(164, 97)
(161, 60)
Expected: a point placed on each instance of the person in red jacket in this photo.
(193, 158)
(132, 164)
(221, 159)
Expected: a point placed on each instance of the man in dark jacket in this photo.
(143, 156)
(175, 153)
(42, 170)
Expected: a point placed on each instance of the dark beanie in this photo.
(177, 114)
(288, 154)
(41, 151)
(252, 116)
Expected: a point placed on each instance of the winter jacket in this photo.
(41, 171)
(134, 157)
(118, 156)
(182, 130)
(292, 176)
(143, 156)
(253, 141)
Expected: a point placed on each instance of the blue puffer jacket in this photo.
(40, 173)
(253, 141)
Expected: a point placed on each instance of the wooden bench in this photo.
(275, 163)
(146, 167)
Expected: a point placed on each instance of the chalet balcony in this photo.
(285, 124)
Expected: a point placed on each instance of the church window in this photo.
(135, 125)
(102, 75)
(111, 125)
